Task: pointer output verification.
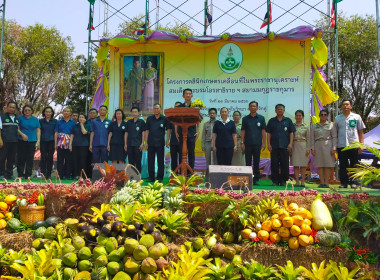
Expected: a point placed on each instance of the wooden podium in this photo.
(184, 117)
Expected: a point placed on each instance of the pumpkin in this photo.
(1, 216)
(293, 243)
(274, 237)
(308, 215)
(282, 213)
(284, 232)
(3, 224)
(293, 206)
(10, 199)
(305, 229)
(297, 220)
(3, 206)
(328, 238)
(276, 224)
(245, 233)
(263, 235)
(274, 216)
(301, 212)
(267, 226)
(287, 222)
(8, 215)
(306, 222)
(321, 215)
(304, 240)
(295, 230)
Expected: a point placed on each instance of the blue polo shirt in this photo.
(64, 126)
(81, 139)
(100, 129)
(29, 127)
(253, 127)
(47, 129)
(280, 132)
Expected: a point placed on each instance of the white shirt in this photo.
(346, 129)
(227, 121)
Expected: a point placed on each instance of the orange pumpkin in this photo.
(275, 237)
(276, 224)
(295, 230)
(284, 232)
(263, 235)
(293, 243)
(305, 229)
(267, 226)
(297, 220)
(287, 222)
(304, 240)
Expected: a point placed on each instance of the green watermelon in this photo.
(39, 233)
(52, 221)
(39, 224)
(13, 225)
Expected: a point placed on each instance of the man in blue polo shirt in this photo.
(280, 134)
(62, 144)
(99, 136)
(253, 139)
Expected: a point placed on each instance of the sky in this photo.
(70, 17)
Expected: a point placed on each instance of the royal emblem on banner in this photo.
(230, 58)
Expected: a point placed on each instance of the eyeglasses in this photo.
(323, 115)
(27, 110)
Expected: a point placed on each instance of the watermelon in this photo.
(13, 225)
(39, 224)
(51, 221)
(39, 233)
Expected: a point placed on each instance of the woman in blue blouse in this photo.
(30, 126)
(47, 146)
(79, 144)
(224, 139)
(117, 141)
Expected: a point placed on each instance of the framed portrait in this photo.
(141, 76)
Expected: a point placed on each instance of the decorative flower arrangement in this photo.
(198, 103)
(34, 199)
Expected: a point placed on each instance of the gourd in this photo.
(13, 225)
(321, 215)
(328, 238)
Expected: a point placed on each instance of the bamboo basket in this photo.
(31, 214)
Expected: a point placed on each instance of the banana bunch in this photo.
(173, 203)
(151, 198)
(263, 211)
(269, 205)
(156, 186)
(122, 197)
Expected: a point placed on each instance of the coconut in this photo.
(131, 266)
(229, 252)
(113, 268)
(237, 248)
(102, 260)
(122, 252)
(70, 259)
(140, 253)
(139, 276)
(211, 241)
(98, 251)
(162, 264)
(121, 276)
(218, 250)
(50, 233)
(148, 265)
(102, 240)
(147, 240)
(111, 244)
(72, 223)
(67, 248)
(197, 243)
(84, 265)
(157, 236)
(228, 237)
(155, 251)
(114, 256)
(130, 244)
(164, 249)
(68, 273)
(78, 242)
(149, 277)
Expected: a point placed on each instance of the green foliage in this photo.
(173, 223)
(345, 223)
(370, 218)
(255, 270)
(318, 273)
(236, 214)
(288, 272)
(146, 214)
(223, 272)
(341, 272)
(125, 212)
(11, 257)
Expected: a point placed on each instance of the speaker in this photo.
(238, 177)
(129, 169)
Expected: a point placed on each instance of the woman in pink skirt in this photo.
(150, 77)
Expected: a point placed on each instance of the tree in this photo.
(76, 98)
(37, 66)
(128, 27)
(357, 62)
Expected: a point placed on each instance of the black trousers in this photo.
(64, 163)
(134, 156)
(175, 155)
(347, 159)
(89, 165)
(47, 153)
(79, 158)
(279, 158)
(25, 157)
(253, 150)
(190, 150)
(8, 154)
(152, 153)
(224, 155)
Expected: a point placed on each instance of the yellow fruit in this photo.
(293, 243)
(308, 215)
(311, 239)
(284, 232)
(1, 216)
(295, 230)
(297, 220)
(274, 216)
(3, 224)
(267, 225)
(245, 233)
(10, 199)
(263, 235)
(304, 240)
(275, 237)
(3, 206)
(8, 216)
(306, 222)
(282, 213)
(305, 229)
(276, 224)
(287, 222)
(302, 212)
(293, 206)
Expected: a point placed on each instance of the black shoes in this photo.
(343, 187)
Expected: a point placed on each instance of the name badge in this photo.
(106, 126)
(258, 124)
(285, 128)
(16, 121)
(352, 123)
(123, 127)
(137, 128)
(162, 125)
(6, 120)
